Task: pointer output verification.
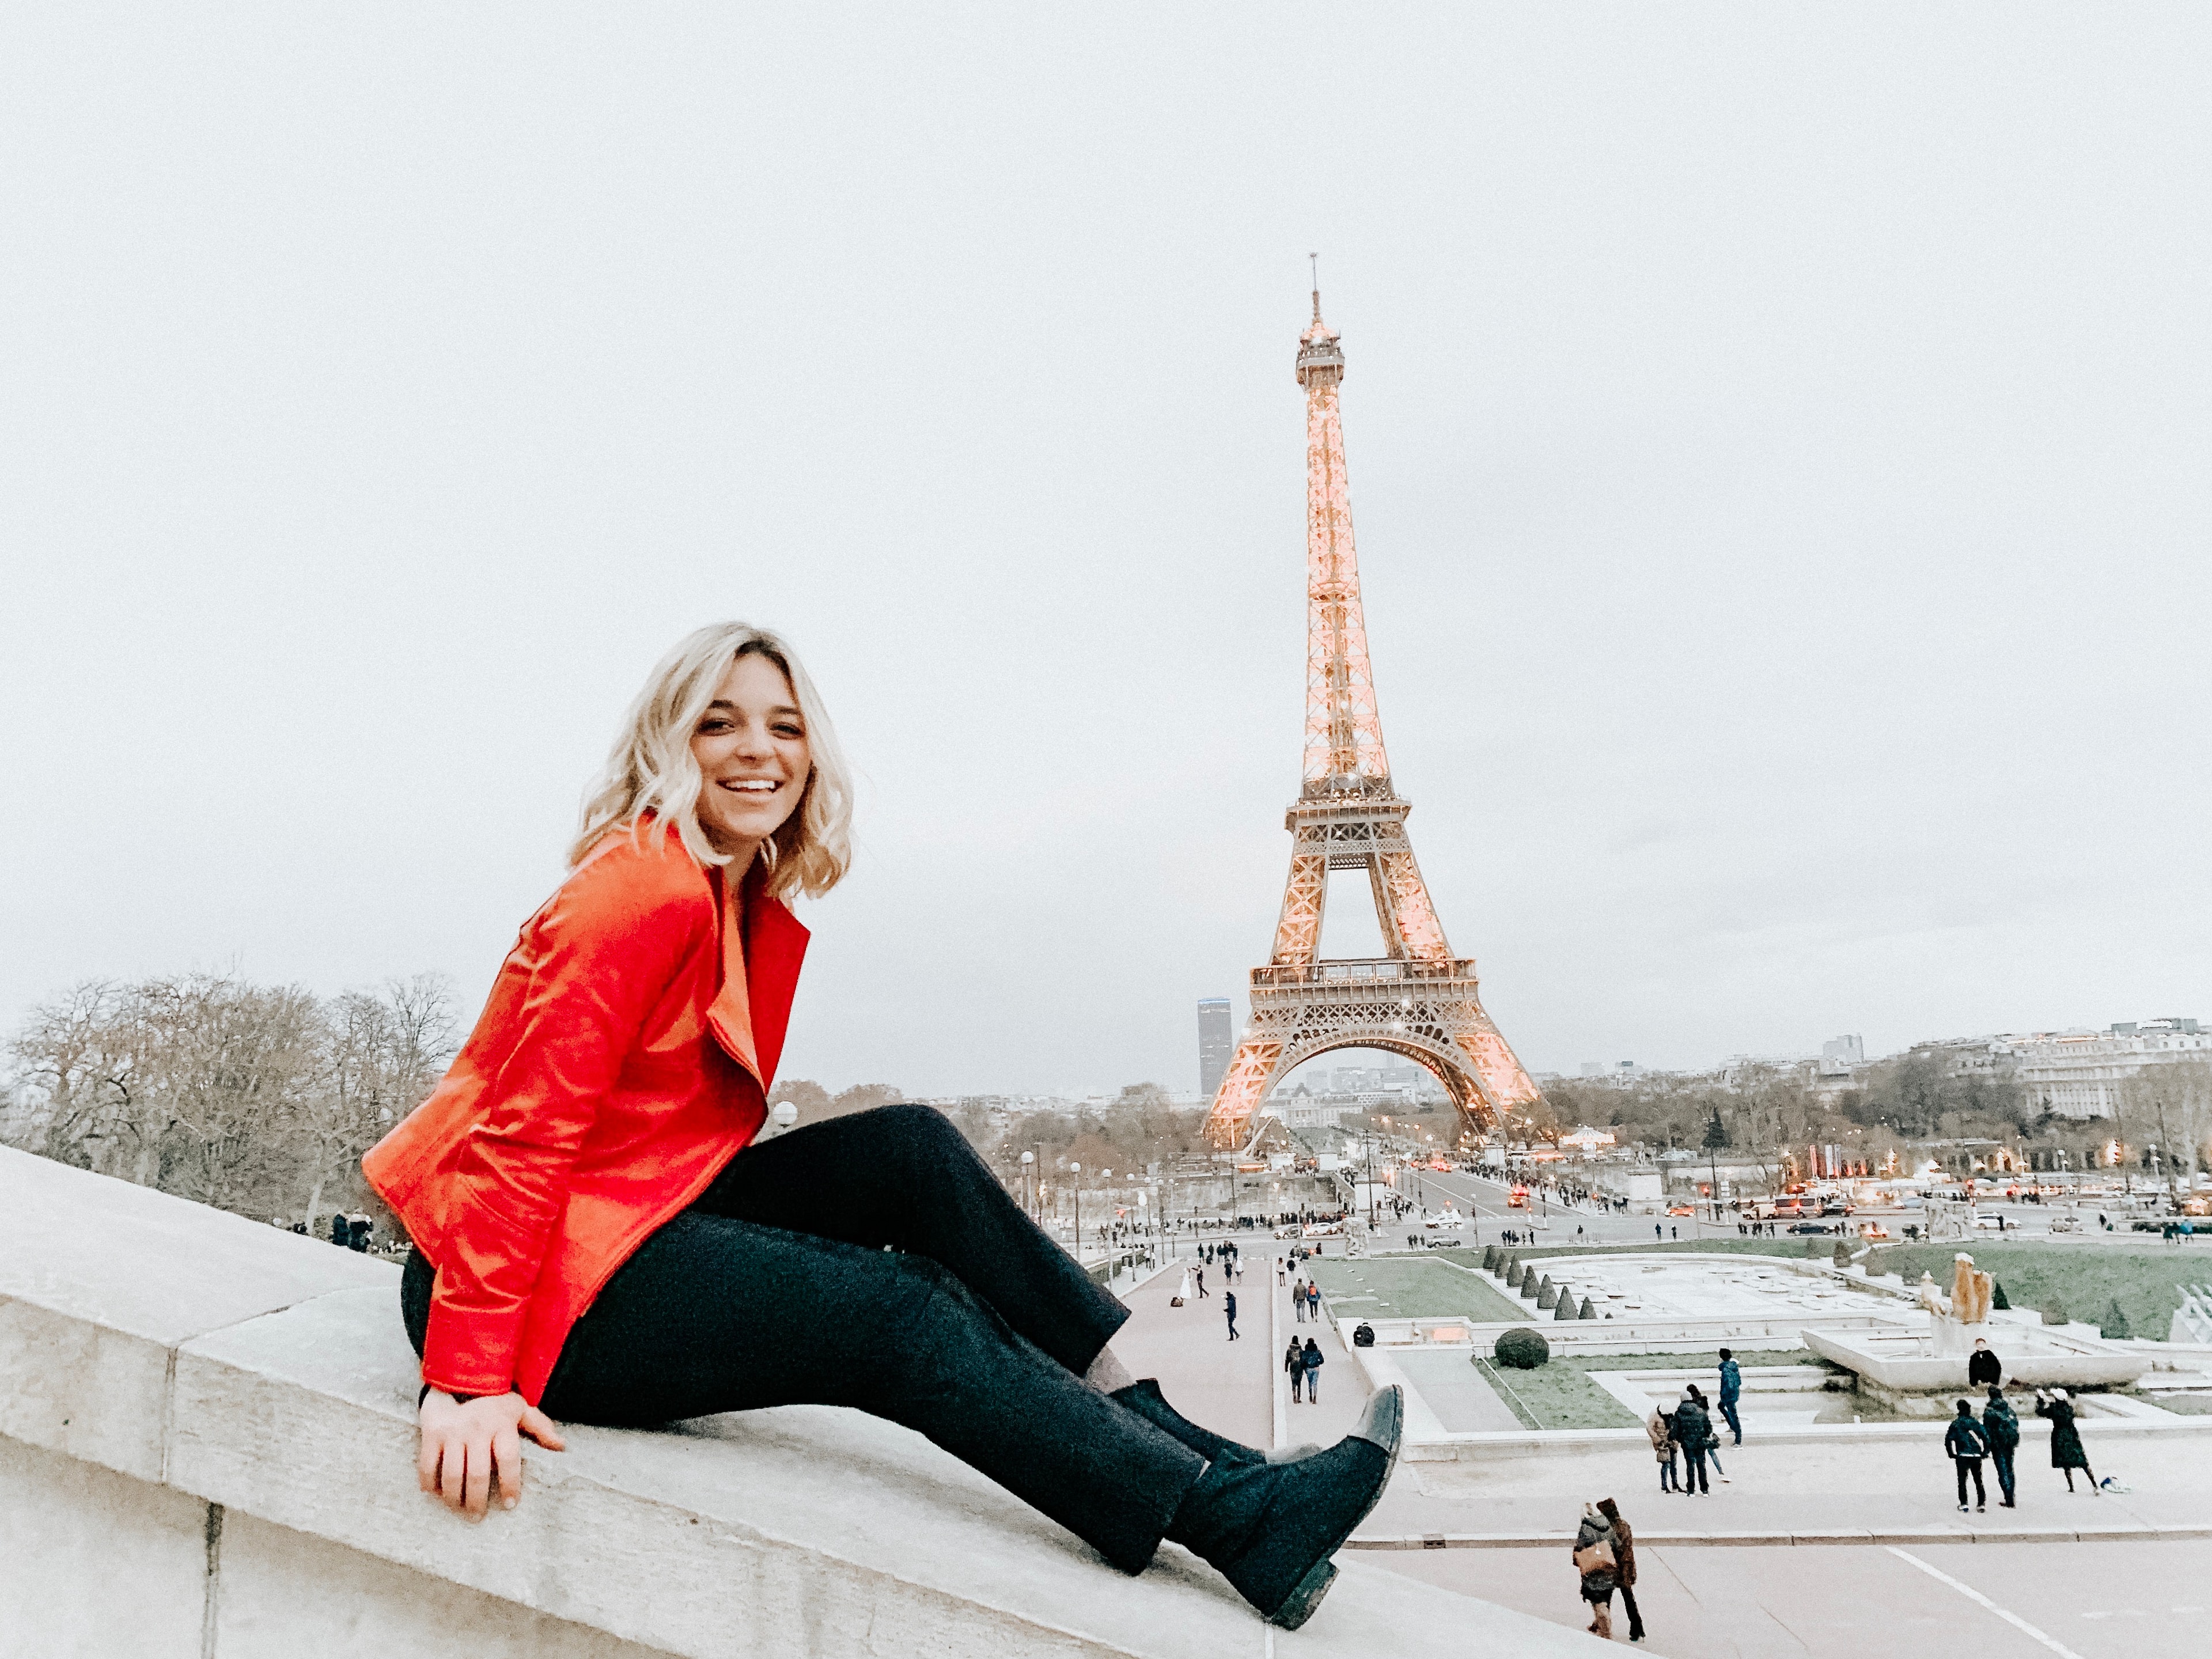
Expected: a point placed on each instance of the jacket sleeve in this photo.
(599, 956)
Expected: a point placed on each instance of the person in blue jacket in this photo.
(1968, 1445)
(1731, 1386)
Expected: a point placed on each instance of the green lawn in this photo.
(1555, 1396)
(2084, 1279)
(1414, 1287)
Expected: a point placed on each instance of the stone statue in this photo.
(1951, 1318)
(1970, 1291)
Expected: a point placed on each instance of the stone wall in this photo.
(207, 1450)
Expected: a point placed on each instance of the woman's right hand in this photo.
(466, 1445)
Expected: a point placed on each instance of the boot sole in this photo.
(1385, 1414)
(1299, 1605)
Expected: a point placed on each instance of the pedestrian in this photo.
(1692, 1429)
(1661, 1428)
(1202, 1290)
(1313, 1361)
(1294, 1362)
(2000, 1428)
(1623, 1565)
(1183, 1292)
(1281, 1274)
(1229, 1307)
(1967, 1445)
(1731, 1389)
(1596, 1563)
(1298, 1300)
(2066, 1452)
(1658, 1231)
(1712, 1435)
(1984, 1369)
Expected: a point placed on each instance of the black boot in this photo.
(1143, 1397)
(1270, 1528)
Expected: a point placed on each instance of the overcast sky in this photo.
(1777, 440)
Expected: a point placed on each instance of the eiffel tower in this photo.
(1419, 1000)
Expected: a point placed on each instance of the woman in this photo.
(1314, 1361)
(2067, 1454)
(1659, 1428)
(1713, 1436)
(1595, 1561)
(1623, 1568)
(596, 1241)
(1294, 1362)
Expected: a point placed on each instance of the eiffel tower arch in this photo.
(1417, 1000)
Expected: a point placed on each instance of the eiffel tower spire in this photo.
(1417, 1000)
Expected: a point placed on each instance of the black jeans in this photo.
(1634, 1614)
(1695, 1478)
(1973, 1466)
(2001, 1460)
(874, 1262)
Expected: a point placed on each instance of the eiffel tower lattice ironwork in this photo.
(1419, 1000)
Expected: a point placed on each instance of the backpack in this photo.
(1363, 1335)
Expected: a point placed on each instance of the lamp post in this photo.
(1075, 1172)
(1029, 1184)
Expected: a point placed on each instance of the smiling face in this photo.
(753, 759)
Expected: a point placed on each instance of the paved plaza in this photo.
(1816, 1543)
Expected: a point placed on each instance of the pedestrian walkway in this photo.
(1215, 1383)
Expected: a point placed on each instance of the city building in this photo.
(2080, 1073)
(1587, 1140)
(1839, 1054)
(1217, 1041)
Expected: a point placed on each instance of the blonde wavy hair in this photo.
(651, 769)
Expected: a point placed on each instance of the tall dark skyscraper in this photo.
(1216, 1042)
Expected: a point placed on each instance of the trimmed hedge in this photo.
(1523, 1349)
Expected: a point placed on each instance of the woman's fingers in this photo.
(542, 1429)
(477, 1487)
(426, 1462)
(507, 1463)
(452, 1470)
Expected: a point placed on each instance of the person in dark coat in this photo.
(1693, 1430)
(1623, 1569)
(2000, 1428)
(1229, 1307)
(1712, 1434)
(1966, 1446)
(1314, 1361)
(1731, 1390)
(1202, 1290)
(2066, 1452)
(1598, 1581)
(1294, 1362)
(1984, 1368)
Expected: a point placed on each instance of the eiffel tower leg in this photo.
(1243, 1086)
(1297, 932)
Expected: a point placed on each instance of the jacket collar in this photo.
(774, 946)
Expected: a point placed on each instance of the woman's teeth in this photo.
(753, 785)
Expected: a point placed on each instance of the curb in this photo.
(1653, 1538)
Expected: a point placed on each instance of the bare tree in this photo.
(76, 1076)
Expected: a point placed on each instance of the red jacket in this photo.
(620, 1063)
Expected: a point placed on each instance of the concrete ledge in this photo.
(210, 1423)
(1658, 1537)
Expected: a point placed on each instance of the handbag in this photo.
(1594, 1558)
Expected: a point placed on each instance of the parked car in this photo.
(2064, 1224)
(1681, 1209)
(1989, 1224)
(1810, 1227)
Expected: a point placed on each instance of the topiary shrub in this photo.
(1547, 1296)
(1528, 1285)
(1512, 1274)
(2054, 1313)
(1842, 1257)
(1590, 1309)
(1997, 1301)
(2116, 1323)
(1521, 1348)
(1567, 1309)
(1489, 1258)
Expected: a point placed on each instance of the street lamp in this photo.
(1076, 1172)
(1029, 1184)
